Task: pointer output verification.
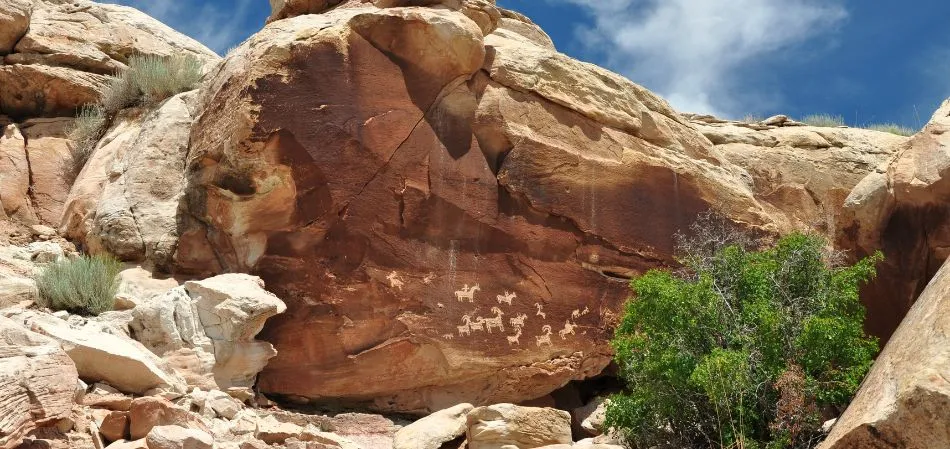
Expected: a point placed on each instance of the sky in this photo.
(867, 61)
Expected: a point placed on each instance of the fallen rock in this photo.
(104, 396)
(122, 363)
(147, 413)
(177, 437)
(115, 426)
(207, 328)
(123, 444)
(272, 431)
(37, 382)
(434, 430)
(905, 399)
(223, 404)
(591, 416)
(503, 425)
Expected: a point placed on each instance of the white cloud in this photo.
(696, 52)
(212, 24)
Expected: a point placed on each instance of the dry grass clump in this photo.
(88, 127)
(893, 128)
(824, 120)
(86, 285)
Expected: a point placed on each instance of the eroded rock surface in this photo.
(454, 215)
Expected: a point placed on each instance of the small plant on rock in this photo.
(824, 120)
(87, 129)
(86, 285)
(742, 348)
(893, 128)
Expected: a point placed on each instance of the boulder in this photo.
(282, 9)
(434, 430)
(15, 176)
(125, 201)
(147, 413)
(905, 399)
(104, 396)
(591, 416)
(48, 151)
(123, 444)
(223, 404)
(115, 426)
(29, 90)
(14, 21)
(177, 437)
(272, 431)
(503, 425)
(37, 382)
(121, 362)
(902, 208)
(432, 181)
(207, 329)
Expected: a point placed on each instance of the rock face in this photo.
(37, 382)
(447, 220)
(905, 399)
(125, 201)
(64, 51)
(207, 328)
(902, 209)
(507, 425)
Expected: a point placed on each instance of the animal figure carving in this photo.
(477, 325)
(465, 329)
(575, 314)
(428, 279)
(518, 321)
(506, 298)
(544, 339)
(540, 311)
(394, 281)
(585, 311)
(513, 339)
(448, 336)
(467, 293)
(568, 329)
(496, 321)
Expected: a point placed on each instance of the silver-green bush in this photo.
(893, 128)
(87, 129)
(86, 285)
(825, 120)
(150, 79)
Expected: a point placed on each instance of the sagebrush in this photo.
(86, 285)
(86, 130)
(742, 348)
(893, 128)
(824, 120)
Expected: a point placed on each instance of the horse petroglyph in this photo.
(506, 298)
(568, 329)
(518, 321)
(467, 293)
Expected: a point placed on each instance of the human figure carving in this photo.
(467, 293)
(545, 338)
(518, 321)
(568, 329)
(513, 339)
(496, 321)
(506, 298)
(464, 329)
(540, 311)
(394, 281)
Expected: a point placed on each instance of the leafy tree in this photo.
(742, 348)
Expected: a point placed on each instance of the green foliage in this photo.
(151, 79)
(86, 285)
(892, 128)
(825, 120)
(742, 348)
(87, 129)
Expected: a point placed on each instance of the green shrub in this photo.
(825, 120)
(88, 127)
(893, 128)
(742, 348)
(86, 285)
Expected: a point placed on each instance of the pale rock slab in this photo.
(14, 21)
(503, 425)
(434, 430)
(177, 437)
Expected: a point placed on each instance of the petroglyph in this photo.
(568, 329)
(518, 321)
(477, 325)
(428, 279)
(465, 329)
(506, 298)
(467, 293)
(513, 339)
(540, 311)
(394, 281)
(544, 338)
(448, 336)
(496, 321)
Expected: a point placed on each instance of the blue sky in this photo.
(869, 64)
